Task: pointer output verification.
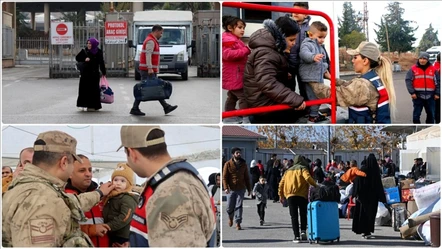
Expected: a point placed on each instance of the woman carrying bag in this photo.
(90, 61)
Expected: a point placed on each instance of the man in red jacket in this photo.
(81, 182)
(149, 66)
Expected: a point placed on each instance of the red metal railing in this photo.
(331, 100)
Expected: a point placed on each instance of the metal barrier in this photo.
(31, 51)
(208, 44)
(62, 57)
(331, 100)
(7, 43)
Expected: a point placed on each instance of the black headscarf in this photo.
(371, 185)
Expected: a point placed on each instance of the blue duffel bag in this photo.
(152, 88)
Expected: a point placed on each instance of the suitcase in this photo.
(323, 221)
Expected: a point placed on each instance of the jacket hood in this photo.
(270, 36)
(252, 163)
(91, 187)
(299, 163)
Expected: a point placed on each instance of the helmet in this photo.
(318, 162)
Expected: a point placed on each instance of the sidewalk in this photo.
(277, 231)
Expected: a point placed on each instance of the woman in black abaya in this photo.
(89, 89)
(368, 191)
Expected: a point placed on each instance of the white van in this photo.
(433, 52)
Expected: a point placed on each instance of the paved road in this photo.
(277, 232)
(30, 97)
(404, 113)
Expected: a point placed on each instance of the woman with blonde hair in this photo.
(373, 67)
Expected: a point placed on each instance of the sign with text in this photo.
(62, 33)
(115, 32)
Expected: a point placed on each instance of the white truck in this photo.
(175, 44)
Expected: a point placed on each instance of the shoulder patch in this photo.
(42, 231)
(174, 222)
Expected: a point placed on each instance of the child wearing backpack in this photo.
(235, 54)
(260, 190)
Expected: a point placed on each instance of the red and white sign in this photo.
(62, 33)
(115, 32)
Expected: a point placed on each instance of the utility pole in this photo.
(366, 20)
(276, 137)
(328, 143)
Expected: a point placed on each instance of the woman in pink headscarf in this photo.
(89, 88)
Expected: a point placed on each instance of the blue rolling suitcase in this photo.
(323, 221)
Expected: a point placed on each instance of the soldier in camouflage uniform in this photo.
(175, 207)
(35, 211)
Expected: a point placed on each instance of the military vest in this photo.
(138, 225)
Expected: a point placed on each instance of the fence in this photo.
(32, 51)
(61, 58)
(7, 43)
(207, 50)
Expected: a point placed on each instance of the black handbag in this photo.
(80, 65)
(152, 88)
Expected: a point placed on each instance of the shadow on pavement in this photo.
(254, 241)
(383, 241)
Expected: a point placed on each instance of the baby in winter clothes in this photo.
(352, 173)
(119, 205)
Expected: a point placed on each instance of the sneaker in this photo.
(303, 236)
(230, 221)
(137, 112)
(169, 109)
(232, 120)
(246, 120)
(81, 109)
(368, 236)
(316, 119)
(296, 240)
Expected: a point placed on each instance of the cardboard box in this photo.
(411, 207)
(388, 182)
(407, 195)
(407, 183)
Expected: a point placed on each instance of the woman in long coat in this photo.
(368, 191)
(89, 88)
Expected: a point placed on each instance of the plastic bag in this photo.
(107, 95)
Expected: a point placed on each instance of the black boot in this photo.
(169, 108)
(137, 112)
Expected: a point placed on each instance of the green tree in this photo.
(429, 39)
(192, 6)
(78, 18)
(348, 23)
(400, 33)
(352, 40)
